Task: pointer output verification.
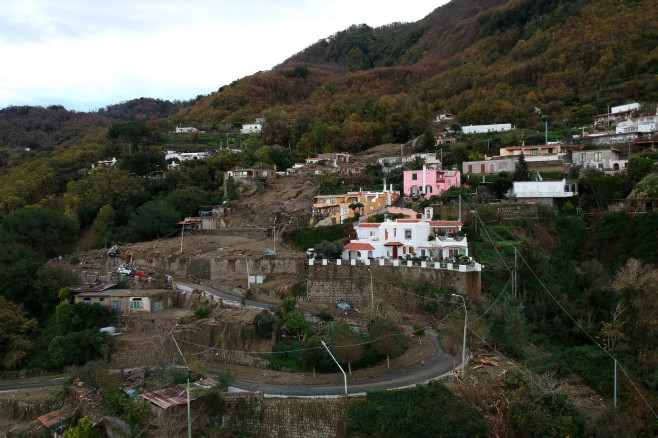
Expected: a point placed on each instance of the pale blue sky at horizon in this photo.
(86, 55)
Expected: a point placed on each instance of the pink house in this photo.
(430, 182)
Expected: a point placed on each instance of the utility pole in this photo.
(274, 234)
(182, 232)
(189, 416)
(464, 342)
(515, 274)
(372, 295)
(615, 390)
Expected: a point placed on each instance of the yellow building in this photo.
(346, 206)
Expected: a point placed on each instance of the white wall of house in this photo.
(541, 189)
(411, 237)
(483, 129)
(639, 124)
(251, 128)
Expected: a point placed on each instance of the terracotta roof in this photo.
(359, 246)
(446, 223)
(369, 225)
(407, 221)
(393, 244)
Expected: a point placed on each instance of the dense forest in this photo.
(586, 282)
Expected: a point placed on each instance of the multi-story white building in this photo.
(414, 237)
(637, 124)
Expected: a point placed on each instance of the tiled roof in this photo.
(359, 246)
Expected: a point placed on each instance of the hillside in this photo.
(511, 61)
(484, 61)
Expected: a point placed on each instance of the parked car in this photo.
(269, 253)
(114, 251)
(310, 252)
(138, 274)
(124, 270)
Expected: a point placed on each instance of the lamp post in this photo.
(372, 295)
(341, 368)
(464, 342)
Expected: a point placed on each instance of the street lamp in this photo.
(464, 342)
(372, 295)
(341, 368)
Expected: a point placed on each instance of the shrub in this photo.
(202, 312)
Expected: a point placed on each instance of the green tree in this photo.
(104, 223)
(386, 337)
(84, 429)
(346, 345)
(47, 232)
(17, 332)
(429, 140)
(521, 172)
(143, 162)
(296, 324)
(188, 200)
(313, 354)
(153, 220)
(414, 412)
(639, 167)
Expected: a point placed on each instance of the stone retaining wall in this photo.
(332, 282)
(255, 416)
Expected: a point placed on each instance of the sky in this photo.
(87, 54)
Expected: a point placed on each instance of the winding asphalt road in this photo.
(439, 365)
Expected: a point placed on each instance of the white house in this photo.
(483, 129)
(412, 237)
(251, 128)
(185, 130)
(617, 113)
(177, 157)
(637, 124)
(541, 192)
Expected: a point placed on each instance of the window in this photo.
(534, 152)
(136, 303)
(414, 176)
(395, 232)
(581, 158)
(407, 233)
(597, 156)
(87, 301)
(158, 306)
(102, 302)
